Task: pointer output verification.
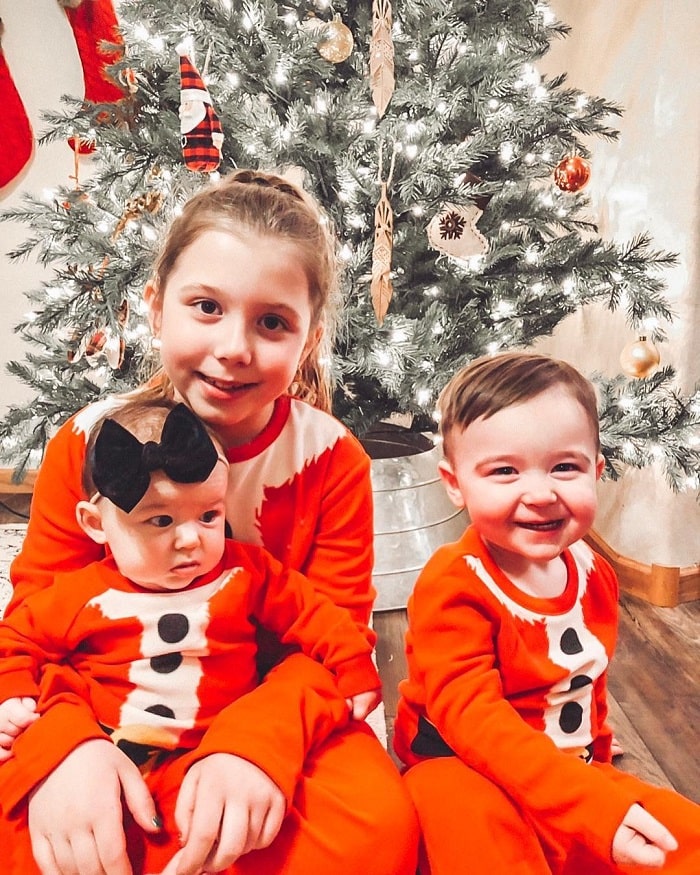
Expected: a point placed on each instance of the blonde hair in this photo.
(264, 204)
(492, 383)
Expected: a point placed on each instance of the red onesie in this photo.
(502, 712)
(301, 488)
(159, 667)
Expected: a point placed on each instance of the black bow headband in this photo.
(121, 465)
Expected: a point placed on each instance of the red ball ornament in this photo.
(572, 173)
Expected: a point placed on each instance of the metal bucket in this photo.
(412, 514)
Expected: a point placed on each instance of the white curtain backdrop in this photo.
(643, 55)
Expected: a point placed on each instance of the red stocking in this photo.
(92, 22)
(16, 139)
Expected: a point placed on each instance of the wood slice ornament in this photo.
(381, 56)
(381, 288)
(453, 231)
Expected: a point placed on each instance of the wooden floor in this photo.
(654, 681)
(654, 687)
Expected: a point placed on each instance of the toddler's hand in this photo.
(363, 704)
(15, 715)
(641, 840)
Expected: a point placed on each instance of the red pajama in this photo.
(502, 722)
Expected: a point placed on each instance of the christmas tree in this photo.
(452, 170)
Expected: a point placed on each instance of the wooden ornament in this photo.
(381, 288)
(453, 231)
(381, 56)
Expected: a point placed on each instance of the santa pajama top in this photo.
(300, 488)
(513, 685)
(158, 667)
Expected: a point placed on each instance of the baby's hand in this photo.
(15, 715)
(362, 704)
(641, 840)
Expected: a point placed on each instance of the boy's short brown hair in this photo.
(492, 383)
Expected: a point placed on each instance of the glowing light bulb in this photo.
(507, 152)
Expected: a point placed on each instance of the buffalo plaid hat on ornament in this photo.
(202, 136)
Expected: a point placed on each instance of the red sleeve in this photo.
(32, 643)
(453, 626)
(341, 558)
(287, 603)
(54, 541)
(275, 725)
(66, 721)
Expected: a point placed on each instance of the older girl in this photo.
(238, 303)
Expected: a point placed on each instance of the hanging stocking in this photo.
(17, 140)
(92, 22)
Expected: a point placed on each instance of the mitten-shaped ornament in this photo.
(16, 138)
(202, 136)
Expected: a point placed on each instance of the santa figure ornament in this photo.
(202, 137)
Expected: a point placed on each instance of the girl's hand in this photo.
(75, 815)
(15, 715)
(226, 807)
(641, 840)
(363, 704)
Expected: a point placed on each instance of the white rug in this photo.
(11, 536)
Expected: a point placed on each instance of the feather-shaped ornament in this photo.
(381, 287)
(381, 56)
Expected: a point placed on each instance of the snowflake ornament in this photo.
(453, 231)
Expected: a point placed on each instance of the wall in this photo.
(641, 54)
(43, 60)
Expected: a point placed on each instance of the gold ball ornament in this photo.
(640, 358)
(337, 43)
(572, 173)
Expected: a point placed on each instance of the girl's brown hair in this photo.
(492, 383)
(264, 204)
